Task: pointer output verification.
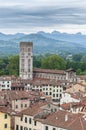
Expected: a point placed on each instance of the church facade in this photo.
(27, 71)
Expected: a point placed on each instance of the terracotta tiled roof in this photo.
(84, 85)
(70, 69)
(20, 83)
(6, 110)
(16, 85)
(5, 78)
(33, 109)
(13, 95)
(38, 82)
(46, 82)
(3, 102)
(65, 106)
(83, 77)
(66, 120)
(68, 106)
(48, 71)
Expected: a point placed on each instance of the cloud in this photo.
(70, 3)
(42, 16)
(23, 14)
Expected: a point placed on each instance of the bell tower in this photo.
(26, 60)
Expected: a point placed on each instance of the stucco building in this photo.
(53, 89)
(5, 118)
(37, 118)
(5, 83)
(69, 75)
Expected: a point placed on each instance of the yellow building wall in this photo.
(4, 121)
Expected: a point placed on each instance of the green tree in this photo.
(83, 66)
(13, 66)
(78, 71)
(37, 61)
(53, 62)
(83, 59)
(83, 73)
(77, 57)
(4, 66)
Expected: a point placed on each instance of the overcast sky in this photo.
(42, 15)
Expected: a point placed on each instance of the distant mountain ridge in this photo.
(54, 42)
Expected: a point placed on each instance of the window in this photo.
(29, 128)
(5, 125)
(17, 127)
(21, 105)
(29, 54)
(46, 93)
(60, 95)
(5, 116)
(22, 70)
(29, 120)
(21, 127)
(29, 49)
(25, 128)
(46, 127)
(25, 105)
(7, 85)
(54, 128)
(16, 106)
(35, 123)
(3, 85)
(50, 93)
(53, 95)
(28, 70)
(40, 90)
(55, 109)
(21, 118)
(25, 119)
(56, 95)
(43, 88)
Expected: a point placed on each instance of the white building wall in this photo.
(55, 92)
(51, 127)
(5, 85)
(66, 98)
(27, 125)
(19, 105)
(50, 76)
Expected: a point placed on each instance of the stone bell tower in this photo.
(26, 60)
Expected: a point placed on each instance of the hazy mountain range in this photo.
(54, 42)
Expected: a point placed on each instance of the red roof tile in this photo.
(48, 71)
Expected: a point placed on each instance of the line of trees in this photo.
(52, 61)
(10, 65)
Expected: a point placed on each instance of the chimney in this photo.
(66, 117)
(56, 118)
